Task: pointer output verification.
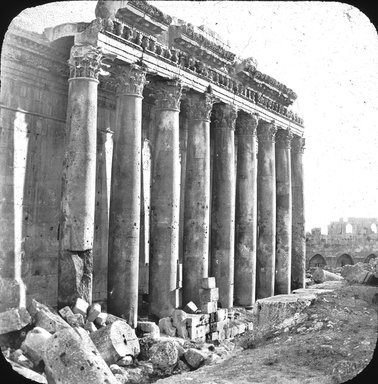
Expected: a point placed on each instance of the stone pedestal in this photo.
(124, 219)
(79, 178)
(266, 211)
(197, 197)
(283, 214)
(223, 203)
(246, 210)
(298, 260)
(165, 201)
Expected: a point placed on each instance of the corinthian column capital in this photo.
(225, 116)
(283, 138)
(130, 80)
(246, 124)
(199, 106)
(298, 144)
(85, 61)
(168, 94)
(266, 131)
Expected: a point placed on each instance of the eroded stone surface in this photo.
(13, 320)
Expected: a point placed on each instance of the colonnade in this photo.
(251, 241)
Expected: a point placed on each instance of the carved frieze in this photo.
(224, 116)
(298, 144)
(130, 80)
(266, 131)
(199, 106)
(246, 124)
(283, 138)
(167, 94)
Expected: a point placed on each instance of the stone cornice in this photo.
(283, 138)
(130, 80)
(246, 124)
(168, 94)
(298, 144)
(224, 116)
(199, 106)
(266, 131)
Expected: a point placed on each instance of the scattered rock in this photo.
(182, 366)
(190, 307)
(125, 361)
(137, 376)
(94, 311)
(75, 320)
(320, 276)
(357, 273)
(34, 344)
(13, 320)
(194, 357)
(147, 367)
(100, 320)
(65, 312)
(179, 318)
(145, 343)
(166, 326)
(115, 368)
(164, 355)
(19, 357)
(28, 373)
(80, 306)
(90, 327)
(148, 327)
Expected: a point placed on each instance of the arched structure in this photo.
(370, 257)
(344, 259)
(317, 261)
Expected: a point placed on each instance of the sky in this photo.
(327, 52)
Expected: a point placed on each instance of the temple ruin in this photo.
(140, 157)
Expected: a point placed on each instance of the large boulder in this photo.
(71, 358)
(166, 326)
(148, 328)
(13, 320)
(115, 341)
(34, 344)
(164, 355)
(195, 357)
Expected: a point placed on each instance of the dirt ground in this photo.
(335, 343)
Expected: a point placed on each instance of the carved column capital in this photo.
(85, 61)
(246, 124)
(283, 138)
(225, 116)
(130, 80)
(168, 94)
(199, 106)
(266, 131)
(298, 144)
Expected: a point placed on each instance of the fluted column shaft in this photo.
(165, 201)
(266, 211)
(246, 210)
(298, 264)
(124, 219)
(75, 263)
(197, 196)
(223, 203)
(283, 212)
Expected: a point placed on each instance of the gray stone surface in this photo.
(14, 319)
(28, 373)
(194, 357)
(34, 344)
(166, 326)
(320, 276)
(164, 355)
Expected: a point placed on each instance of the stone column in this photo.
(266, 211)
(246, 210)
(165, 201)
(124, 219)
(79, 178)
(283, 212)
(298, 260)
(223, 203)
(197, 196)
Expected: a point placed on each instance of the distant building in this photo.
(347, 242)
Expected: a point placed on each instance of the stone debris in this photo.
(90, 327)
(164, 355)
(65, 312)
(100, 320)
(80, 306)
(190, 307)
(115, 341)
(194, 357)
(320, 276)
(208, 283)
(361, 273)
(166, 327)
(93, 312)
(13, 320)
(19, 357)
(28, 373)
(75, 320)
(34, 344)
(145, 328)
(125, 361)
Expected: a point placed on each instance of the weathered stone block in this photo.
(357, 274)
(80, 306)
(164, 355)
(65, 312)
(221, 314)
(34, 344)
(210, 307)
(100, 320)
(194, 357)
(19, 357)
(10, 294)
(14, 319)
(208, 283)
(75, 320)
(320, 276)
(28, 373)
(209, 294)
(179, 320)
(90, 327)
(166, 326)
(93, 311)
(148, 327)
(115, 341)
(125, 361)
(72, 358)
(190, 307)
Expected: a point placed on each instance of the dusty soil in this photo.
(334, 344)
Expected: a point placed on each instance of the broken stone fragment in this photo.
(357, 274)
(93, 311)
(75, 320)
(80, 306)
(100, 320)
(166, 327)
(34, 344)
(148, 327)
(182, 366)
(115, 341)
(190, 307)
(90, 327)
(209, 294)
(145, 343)
(194, 357)
(179, 320)
(19, 357)
(164, 355)
(10, 293)
(28, 373)
(125, 361)
(13, 320)
(71, 358)
(65, 312)
(320, 276)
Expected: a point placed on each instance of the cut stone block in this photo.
(14, 319)
(194, 357)
(100, 320)
(190, 307)
(148, 327)
(164, 355)
(90, 327)
(65, 312)
(93, 311)
(208, 282)
(221, 314)
(10, 294)
(210, 307)
(210, 294)
(72, 358)
(166, 326)
(34, 344)
(179, 320)
(357, 274)
(75, 320)
(80, 306)
(115, 341)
